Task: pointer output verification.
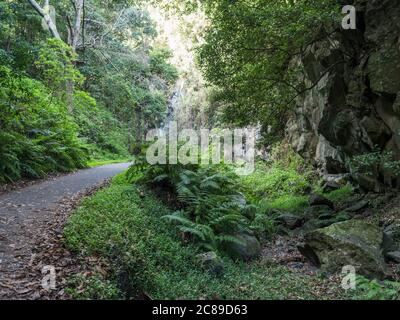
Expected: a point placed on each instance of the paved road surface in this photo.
(22, 210)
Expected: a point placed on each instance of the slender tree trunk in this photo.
(73, 36)
(46, 16)
(76, 31)
(138, 130)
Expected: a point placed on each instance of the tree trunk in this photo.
(73, 42)
(138, 130)
(44, 12)
(46, 16)
(73, 36)
(76, 31)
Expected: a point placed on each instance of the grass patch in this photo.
(273, 186)
(340, 194)
(274, 182)
(98, 163)
(288, 203)
(147, 255)
(298, 203)
(92, 287)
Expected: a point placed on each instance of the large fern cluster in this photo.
(36, 134)
(213, 208)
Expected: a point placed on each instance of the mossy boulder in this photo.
(318, 200)
(290, 221)
(324, 221)
(315, 212)
(355, 242)
(392, 238)
(246, 248)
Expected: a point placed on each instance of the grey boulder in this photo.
(355, 242)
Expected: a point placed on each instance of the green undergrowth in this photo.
(340, 194)
(283, 185)
(98, 163)
(123, 224)
(375, 290)
(37, 135)
(297, 203)
(43, 128)
(273, 181)
(285, 182)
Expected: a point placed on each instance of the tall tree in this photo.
(74, 27)
(75, 24)
(250, 53)
(45, 13)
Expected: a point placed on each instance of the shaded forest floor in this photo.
(145, 256)
(160, 266)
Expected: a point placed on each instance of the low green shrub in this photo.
(288, 203)
(286, 173)
(340, 194)
(212, 208)
(274, 182)
(374, 290)
(264, 226)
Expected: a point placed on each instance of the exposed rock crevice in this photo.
(355, 107)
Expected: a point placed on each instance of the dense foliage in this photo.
(212, 208)
(84, 87)
(124, 225)
(37, 134)
(65, 100)
(250, 54)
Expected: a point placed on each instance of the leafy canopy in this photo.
(250, 54)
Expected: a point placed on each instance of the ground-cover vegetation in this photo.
(152, 224)
(93, 164)
(285, 181)
(211, 207)
(124, 224)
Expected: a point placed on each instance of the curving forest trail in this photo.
(305, 94)
(24, 212)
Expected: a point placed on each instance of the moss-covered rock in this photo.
(355, 242)
(246, 249)
(290, 221)
(392, 238)
(314, 212)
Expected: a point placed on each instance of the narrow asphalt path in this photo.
(23, 210)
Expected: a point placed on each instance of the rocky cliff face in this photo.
(354, 105)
